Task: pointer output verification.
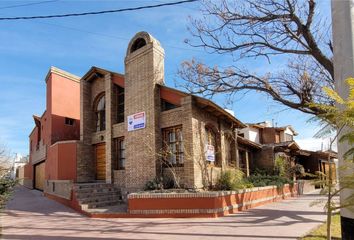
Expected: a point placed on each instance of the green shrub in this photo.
(268, 180)
(281, 166)
(6, 186)
(232, 180)
(298, 170)
(153, 184)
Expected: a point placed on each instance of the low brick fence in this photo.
(188, 205)
(204, 204)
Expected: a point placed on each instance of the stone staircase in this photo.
(97, 195)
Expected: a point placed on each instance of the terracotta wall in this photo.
(28, 175)
(64, 98)
(61, 161)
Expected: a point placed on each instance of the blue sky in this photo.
(29, 48)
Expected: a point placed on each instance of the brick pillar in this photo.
(109, 123)
(187, 131)
(85, 158)
(144, 68)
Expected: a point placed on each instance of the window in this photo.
(242, 158)
(288, 137)
(173, 146)
(120, 104)
(39, 137)
(69, 121)
(165, 106)
(139, 43)
(100, 112)
(120, 146)
(210, 139)
(230, 152)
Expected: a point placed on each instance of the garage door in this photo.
(39, 176)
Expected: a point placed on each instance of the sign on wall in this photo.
(136, 121)
(210, 153)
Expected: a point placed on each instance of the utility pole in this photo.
(343, 46)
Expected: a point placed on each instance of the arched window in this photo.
(211, 139)
(100, 113)
(139, 43)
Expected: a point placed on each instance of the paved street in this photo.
(29, 215)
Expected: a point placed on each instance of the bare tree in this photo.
(269, 30)
(5, 161)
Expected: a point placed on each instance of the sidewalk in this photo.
(29, 215)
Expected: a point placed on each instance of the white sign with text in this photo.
(136, 121)
(210, 153)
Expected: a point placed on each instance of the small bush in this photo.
(268, 180)
(153, 184)
(298, 170)
(6, 186)
(232, 180)
(281, 166)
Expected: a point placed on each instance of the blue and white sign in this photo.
(136, 121)
(210, 153)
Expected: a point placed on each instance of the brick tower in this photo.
(144, 68)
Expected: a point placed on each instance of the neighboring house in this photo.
(18, 162)
(279, 142)
(52, 154)
(318, 161)
(274, 141)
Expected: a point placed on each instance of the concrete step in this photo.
(92, 186)
(96, 194)
(99, 199)
(118, 208)
(97, 191)
(102, 204)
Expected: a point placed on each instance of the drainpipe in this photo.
(343, 49)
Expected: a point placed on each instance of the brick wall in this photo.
(143, 69)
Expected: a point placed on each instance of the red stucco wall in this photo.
(61, 161)
(62, 100)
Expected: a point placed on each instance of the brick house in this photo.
(317, 161)
(175, 120)
(274, 141)
(122, 130)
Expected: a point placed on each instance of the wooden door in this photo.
(39, 176)
(101, 161)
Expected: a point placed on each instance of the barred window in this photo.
(173, 146)
(120, 104)
(120, 146)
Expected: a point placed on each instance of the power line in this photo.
(98, 12)
(28, 4)
(112, 36)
